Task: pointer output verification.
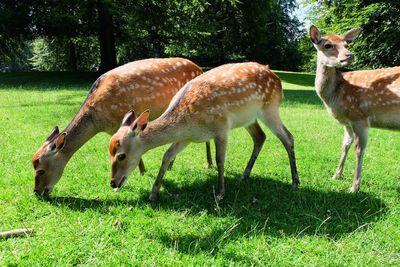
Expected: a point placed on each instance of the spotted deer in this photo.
(358, 99)
(149, 83)
(208, 107)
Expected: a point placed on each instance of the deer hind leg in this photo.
(360, 143)
(169, 155)
(270, 117)
(142, 169)
(209, 158)
(348, 138)
(171, 164)
(258, 137)
(220, 153)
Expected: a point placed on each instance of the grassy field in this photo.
(259, 222)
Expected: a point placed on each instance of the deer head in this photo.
(125, 148)
(47, 162)
(332, 49)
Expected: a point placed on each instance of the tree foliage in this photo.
(211, 32)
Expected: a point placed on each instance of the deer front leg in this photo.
(348, 138)
(220, 153)
(142, 169)
(209, 158)
(169, 155)
(360, 143)
(258, 137)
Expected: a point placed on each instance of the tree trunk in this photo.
(106, 38)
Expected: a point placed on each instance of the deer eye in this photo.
(328, 46)
(40, 172)
(121, 157)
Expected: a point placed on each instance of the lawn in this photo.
(259, 222)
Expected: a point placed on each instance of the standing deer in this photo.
(136, 85)
(357, 99)
(208, 107)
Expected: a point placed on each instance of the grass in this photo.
(259, 222)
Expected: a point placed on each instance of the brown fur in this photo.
(139, 85)
(358, 99)
(209, 106)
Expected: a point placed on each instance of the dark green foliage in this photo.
(211, 32)
(64, 54)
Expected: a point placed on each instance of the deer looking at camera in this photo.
(208, 107)
(357, 99)
(138, 85)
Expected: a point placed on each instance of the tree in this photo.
(211, 32)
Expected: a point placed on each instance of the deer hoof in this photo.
(153, 196)
(354, 189)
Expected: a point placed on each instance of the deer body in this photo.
(208, 107)
(358, 99)
(142, 84)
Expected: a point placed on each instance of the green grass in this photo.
(259, 222)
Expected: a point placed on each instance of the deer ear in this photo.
(129, 118)
(315, 35)
(351, 35)
(140, 123)
(61, 141)
(142, 120)
(53, 133)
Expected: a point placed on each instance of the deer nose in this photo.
(350, 55)
(113, 185)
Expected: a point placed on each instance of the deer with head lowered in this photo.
(358, 99)
(208, 107)
(136, 85)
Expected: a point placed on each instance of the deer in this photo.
(358, 100)
(208, 107)
(136, 85)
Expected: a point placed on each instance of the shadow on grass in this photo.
(303, 79)
(259, 206)
(43, 81)
(308, 97)
(47, 80)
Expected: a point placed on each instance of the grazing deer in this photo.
(357, 99)
(136, 85)
(208, 107)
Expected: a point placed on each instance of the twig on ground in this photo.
(15, 233)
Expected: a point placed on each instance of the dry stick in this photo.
(15, 233)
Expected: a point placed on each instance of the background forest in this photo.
(73, 35)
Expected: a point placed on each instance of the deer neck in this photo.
(79, 131)
(327, 82)
(162, 131)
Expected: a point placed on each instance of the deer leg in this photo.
(271, 118)
(169, 155)
(209, 158)
(142, 169)
(171, 164)
(258, 137)
(360, 143)
(220, 153)
(348, 138)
